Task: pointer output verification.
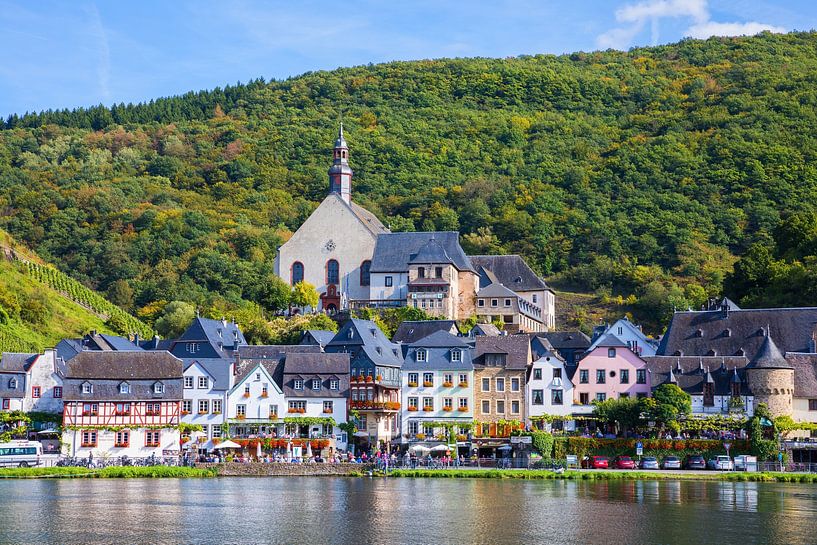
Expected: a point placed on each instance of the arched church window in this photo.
(332, 272)
(365, 273)
(297, 272)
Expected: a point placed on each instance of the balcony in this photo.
(387, 406)
(376, 303)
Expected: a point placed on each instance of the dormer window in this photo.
(158, 388)
(13, 384)
(192, 348)
(374, 332)
(379, 350)
(87, 388)
(316, 384)
(611, 352)
(456, 355)
(699, 333)
(124, 388)
(299, 384)
(711, 352)
(421, 355)
(351, 333)
(727, 332)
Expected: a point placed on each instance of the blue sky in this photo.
(76, 53)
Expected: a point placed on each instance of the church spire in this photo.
(340, 173)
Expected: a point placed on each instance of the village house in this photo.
(122, 403)
(31, 382)
(628, 333)
(332, 249)
(550, 391)
(500, 368)
(375, 364)
(611, 370)
(437, 385)
(524, 302)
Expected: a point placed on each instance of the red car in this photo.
(595, 462)
(623, 462)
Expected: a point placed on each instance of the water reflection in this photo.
(336, 510)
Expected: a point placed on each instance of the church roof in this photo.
(509, 270)
(366, 218)
(394, 251)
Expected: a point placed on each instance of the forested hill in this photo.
(642, 174)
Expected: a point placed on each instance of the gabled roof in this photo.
(485, 329)
(270, 356)
(608, 341)
(118, 343)
(566, 339)
(495, 290)
(510, 270)
(367, 218)
(223, 336)
(432, 252)
(411, 331)
(438, 348)
(318, 337)
(218, 368)
(394, 251)
(321, 363)
(624, 323)
(127, 365)
(17, 362)
(371, 340)
(517, 348)
(727, 332)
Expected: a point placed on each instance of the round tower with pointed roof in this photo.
(340, 173)
(771, 378)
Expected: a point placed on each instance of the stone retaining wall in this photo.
(236, 469)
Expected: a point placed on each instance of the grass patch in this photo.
(526, 474)
(113, 472)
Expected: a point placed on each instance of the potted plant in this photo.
(216, 412)
(273, 416)
(427, 384)
(448, 408)
(202, 412)
(412, 408)
(420, 436)
(448, 384)
(464, 384)
(462, 409)
(264, 394)
(361, 378)
(412, 384)
(428, 408)
(246, 394)
(292, 410)
(379, 377)
(302, 411)
(327, 411)
(369, 379)
(185, 413)
(240, 417)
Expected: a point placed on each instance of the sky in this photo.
(81, 53)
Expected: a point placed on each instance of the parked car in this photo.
(648, 462)
(595, 462)
(695, 461)
(721, 463)
(671, 462)
(740, 462)
(623, 462)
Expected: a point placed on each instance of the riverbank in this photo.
(599, 475)
(113, 472)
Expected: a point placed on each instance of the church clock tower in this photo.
(340, 173)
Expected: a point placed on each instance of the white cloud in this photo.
(711, 28)
(635, 18)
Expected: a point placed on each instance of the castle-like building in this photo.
(354, 261)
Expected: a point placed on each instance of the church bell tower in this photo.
(340, 173)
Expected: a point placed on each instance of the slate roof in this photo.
(323, 366)
(429, 253)
(68, 348)
(218, 368)
(438, 347)
(769, 356)
(134, 365)
(16, 362)
(609, 341)
(805, 374)
(411, 331)
(509, 270)
(632, 328)
(566, 339)
(114, 342)
(728, 332)
(495, 290)
(210, 332)
(271, 357)
(690, 373)
(517, 348)
(5, 380)
(485, 329)
(368, 339)
(394, 251)
(318, 337)
(157, 344)
(367, 218)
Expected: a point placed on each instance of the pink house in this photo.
(610, 370)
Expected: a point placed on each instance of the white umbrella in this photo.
(208, 446)
(309, 449)
(420, 448)
(289, 451)
(440, 448)
(258, 450)
(227, 444)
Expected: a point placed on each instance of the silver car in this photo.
(721, 463)
(648, 462)
(671, 462)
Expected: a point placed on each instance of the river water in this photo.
(370, 510)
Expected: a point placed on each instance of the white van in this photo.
(20, 453)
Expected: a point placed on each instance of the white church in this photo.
(354, 261)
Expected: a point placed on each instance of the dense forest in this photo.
(642, 176)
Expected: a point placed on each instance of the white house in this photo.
(628, 333)
(206, 383)
(550, 391)
(437, 386)
(30, 382)
(256, 403)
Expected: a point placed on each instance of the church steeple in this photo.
(340, 173)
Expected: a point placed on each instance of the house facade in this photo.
(332, 249)
(122, 404)
(437, 386)
(206, 383)
(375, 371)
(500, 374)
(550, 391)
(610, 371)
(31, 382)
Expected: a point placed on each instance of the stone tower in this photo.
(340, 173)
(771, 378)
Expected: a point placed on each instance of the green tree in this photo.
(121, 294)
(275, 294)
(304, 294)
(175, 318)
